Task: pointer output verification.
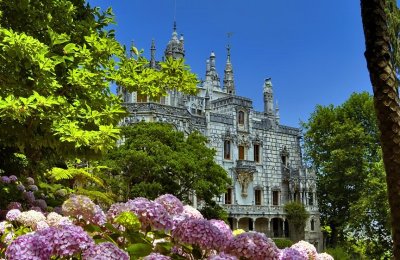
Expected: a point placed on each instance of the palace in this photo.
(262, 157)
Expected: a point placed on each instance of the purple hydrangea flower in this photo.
(222, 256)
(80, 206)
(150, 214)
(292, 254)
(156, 256)
(171, 203)
(13, 178)
(199, 232)
(29, 196)
(190, 212)
(223, 227)
(5, 179)
(21, 187)
(306, 247)
(14, 205)
(66, 240)
(30, 181)
(13, 214)
(104, 251)
(33, 187)
(29, 246)
(252, 245)
(40, 203)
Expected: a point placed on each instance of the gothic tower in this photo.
(268, 98)
(229, 84)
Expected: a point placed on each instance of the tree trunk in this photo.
(386, 101)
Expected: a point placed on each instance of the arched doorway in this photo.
(277, 227)
(261, 225)
(246, 224)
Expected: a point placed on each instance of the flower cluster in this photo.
(199, 232)
(324, 256)
(252, 245)
(171, 204)
(12, 215)
(291, 253)
(307, 248)
(30, 218)
(104, 251)
(61, 241)
(222, 256)
(82, 207)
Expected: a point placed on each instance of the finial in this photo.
(174, 26)
(228, 49)
(153, 45)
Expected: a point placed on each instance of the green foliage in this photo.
(129, 220)
(155, 159)
(343, 144)
(296, 213)
(214, 211)
(282, 243)
(338, 253)
(57, 63)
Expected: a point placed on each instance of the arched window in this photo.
(257, 196)
(312, 224)
(241, 118)
(227, 149)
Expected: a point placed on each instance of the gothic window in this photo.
(141, 98)
(257, 196)
(228, 196)
(275, 197)
(310, 198)
(241, 152)
(284, 160)
(256, 150)
(312, 224)
(241, 118)
(227, 149)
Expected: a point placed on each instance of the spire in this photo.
(175, 48)
(212, 78)
(229, 84)
(278, 117)
(153, 54)
(268, 97)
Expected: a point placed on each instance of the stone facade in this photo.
(262, 157)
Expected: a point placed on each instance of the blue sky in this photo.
(312, 50)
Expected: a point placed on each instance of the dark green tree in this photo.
(343, 144)
(155, 159)
(297, 216)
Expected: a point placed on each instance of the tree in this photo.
(297, 216)
(380, 20)
(57, 61)
(155, 159)
(343, 144)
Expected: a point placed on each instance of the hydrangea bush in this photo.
(137, 229)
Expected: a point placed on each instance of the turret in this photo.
(229, 84)
(212, 80)
(153, 55)
(268, 97)
(175, 48)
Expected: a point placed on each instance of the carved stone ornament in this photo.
(244, 178)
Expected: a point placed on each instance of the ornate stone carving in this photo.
(244, 178)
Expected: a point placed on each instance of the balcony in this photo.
(253, 209)
(245, 165)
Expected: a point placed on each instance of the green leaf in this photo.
(139, 250)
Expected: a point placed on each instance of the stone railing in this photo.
(253, 209)
(245, 164)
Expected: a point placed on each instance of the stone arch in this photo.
(246, 223)
(262, 225)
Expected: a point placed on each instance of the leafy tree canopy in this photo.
(155, 159)
(57, 61)
(343, 143)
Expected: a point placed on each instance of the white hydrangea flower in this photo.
(31, 218)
